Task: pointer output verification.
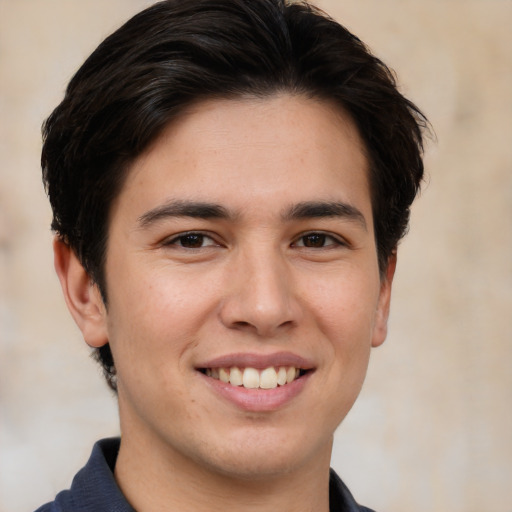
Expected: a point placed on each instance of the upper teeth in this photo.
(251, 378)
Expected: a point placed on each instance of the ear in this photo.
(82, 295)
(380, 329)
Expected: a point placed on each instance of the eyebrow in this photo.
(205, 210)
(194, 209)
(319, 209)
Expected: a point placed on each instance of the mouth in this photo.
(253, 378)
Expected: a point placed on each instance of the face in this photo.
(243, 285)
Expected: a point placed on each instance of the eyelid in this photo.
(174, 239)
(339, 240)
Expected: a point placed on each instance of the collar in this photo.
(94, 488)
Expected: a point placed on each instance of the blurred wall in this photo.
(432, 430)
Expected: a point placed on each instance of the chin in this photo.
(264, 455)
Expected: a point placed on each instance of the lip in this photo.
(257, 400)
(258, 361)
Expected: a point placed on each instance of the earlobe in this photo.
(380, 330)
(82, 295)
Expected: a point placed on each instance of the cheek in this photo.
(156, 315)
(345, 305)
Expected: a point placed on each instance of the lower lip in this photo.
(258, 400)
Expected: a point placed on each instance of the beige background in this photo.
(432, 429)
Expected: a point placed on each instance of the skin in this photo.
(257, 280)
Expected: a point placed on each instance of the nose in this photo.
(260, 296)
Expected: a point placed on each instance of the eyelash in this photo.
(335, 241)
(191, 234)
(315, 237)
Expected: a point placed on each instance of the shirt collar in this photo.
(94, 488)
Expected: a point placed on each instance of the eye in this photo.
(317, 240)
(191, 240)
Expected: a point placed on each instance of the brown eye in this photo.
(318, 240)
(314, 240)
(192, 240)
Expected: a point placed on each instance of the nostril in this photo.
(241, 323)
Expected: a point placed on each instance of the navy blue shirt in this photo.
(94, 488)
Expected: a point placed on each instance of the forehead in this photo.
(247, 152)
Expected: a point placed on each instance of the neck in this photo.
(157, 478)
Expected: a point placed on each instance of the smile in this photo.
(252, 378)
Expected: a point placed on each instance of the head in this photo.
(178, 54)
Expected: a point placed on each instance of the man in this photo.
(229, 182)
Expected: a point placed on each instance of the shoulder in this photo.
(49, 507)
(46, 508)
(94, 488)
